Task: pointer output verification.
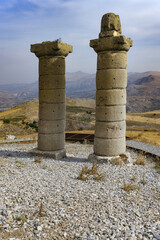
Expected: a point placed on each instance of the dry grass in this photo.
(157, 166)
(86, 173)
(19, 163)
(144, 117)
(150, 137)
(2, 162)
(129, 187)
(134, 178)
(38, 160)
(157, 196)
(40, 212)
(99, 177)
(147, 125)
(44, 167)
(121, 160)
(118, 161)
(22, 219)
(143, 181)
(139, 160)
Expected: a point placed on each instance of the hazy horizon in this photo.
(79, 71)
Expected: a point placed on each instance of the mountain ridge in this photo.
(143, 90)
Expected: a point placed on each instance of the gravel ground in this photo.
(45, 200)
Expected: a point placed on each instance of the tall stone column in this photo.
(111, 82)
(51, 127)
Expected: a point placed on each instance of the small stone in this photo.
(39, 228)
(5, 226)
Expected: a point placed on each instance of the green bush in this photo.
(6, 121)
(33, 125)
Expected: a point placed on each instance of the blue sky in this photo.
(25, 22)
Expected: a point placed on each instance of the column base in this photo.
(125, 158)
(57, 155)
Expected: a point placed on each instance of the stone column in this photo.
(111, 82)
(51, 136)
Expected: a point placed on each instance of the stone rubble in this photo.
(45, 200)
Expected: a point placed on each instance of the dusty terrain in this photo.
(144, 127)
(80, 115)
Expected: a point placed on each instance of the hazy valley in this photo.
(143, 90)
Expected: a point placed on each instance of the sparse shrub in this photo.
(86, 173)
(129, 187)
(9, 155)
(19, 163)
(118, 161)
(88, 112)
(99, 177)
(157, 196)
(121, 160)
(21, 219)
(33, 125)
(38, 160)
(134, 178)
(44, 167)
(157, 166)
(94, 169)
(6, 121)
(143, 181)
(139, 160)
(41, 212)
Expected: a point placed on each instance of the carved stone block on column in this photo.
(52, 111)
(111, 97)
(112, 60)
(111, 113)
(52, 82)
(111, 78)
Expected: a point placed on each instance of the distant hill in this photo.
(82, 86)
(144, 94)
(143, 90)
(133, 76)
(80, 115)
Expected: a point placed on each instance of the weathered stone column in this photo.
(111, 82)
(51, 136)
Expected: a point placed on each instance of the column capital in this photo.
(110, 37)
(114, 43)
(48, 48)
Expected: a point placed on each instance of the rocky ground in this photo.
(43, 199)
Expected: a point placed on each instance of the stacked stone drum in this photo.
(51, 136)
(111, 82)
